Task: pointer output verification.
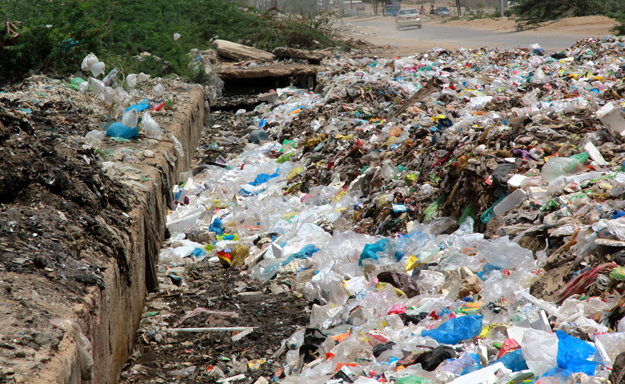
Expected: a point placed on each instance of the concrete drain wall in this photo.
(110, 317)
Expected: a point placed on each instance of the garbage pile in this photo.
(450, 217)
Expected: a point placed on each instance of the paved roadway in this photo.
(463, 36)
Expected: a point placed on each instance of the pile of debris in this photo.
(449, 217)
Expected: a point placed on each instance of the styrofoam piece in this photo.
(515, 181)
(595, 154)
(184, 219)
(612, 119)
(483, 376)
(538, 192)
(583, 177)
(510, 202)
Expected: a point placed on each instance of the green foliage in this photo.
(55, 35)
(537, 11)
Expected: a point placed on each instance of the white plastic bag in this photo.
(151, 127)
(97, 86)
(142, 77)
(88, 61)
(158, 90)
(177, 147)
(540, 350)
(98, 69)
(132, 80)
(130, 118)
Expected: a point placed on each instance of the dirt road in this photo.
(478, 33)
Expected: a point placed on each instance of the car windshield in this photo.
(408, 12)
(442, 9)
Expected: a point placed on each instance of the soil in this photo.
(276, 316)
(55, 197)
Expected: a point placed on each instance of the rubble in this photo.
(240, 52)
(312, 56)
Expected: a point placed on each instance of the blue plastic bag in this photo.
(142, 106)
(306, 251)
(217, 227)
(264, 177)
(455, 330)
(198, 252)
(514, 361)
(561, 374)
(370, 250)
(573, 354)
(120, 130)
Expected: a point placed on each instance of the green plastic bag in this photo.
(432, 209)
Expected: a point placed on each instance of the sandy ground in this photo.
(583, 26)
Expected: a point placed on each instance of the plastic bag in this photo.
(540, 350)
(573, 354)
(96, 134)
(177, 146)
(151, 128)
(122, 131)
(264, 177)
(217, 227)
(563, 166)
(158, 90)
(139, 107)
(370, 250)
(130, 118)
(98, 69)
(455, 330)
(514, 361)
(131, 80)
(97, 86)
(88, 61)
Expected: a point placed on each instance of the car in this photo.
(442, 11)
(408, 17)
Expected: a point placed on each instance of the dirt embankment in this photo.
(78, 233)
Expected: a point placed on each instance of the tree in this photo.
(537, 11)
(376, 5)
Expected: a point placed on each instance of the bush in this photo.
(56, 35)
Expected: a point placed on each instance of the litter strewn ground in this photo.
(455, 216)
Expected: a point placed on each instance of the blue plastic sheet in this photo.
(514, 361)
(370, 250)
(573, 354)
(217, 227)
(455, 330)
(264, 177)
(120, 130)
(142, 106)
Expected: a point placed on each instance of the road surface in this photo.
(431, 35)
